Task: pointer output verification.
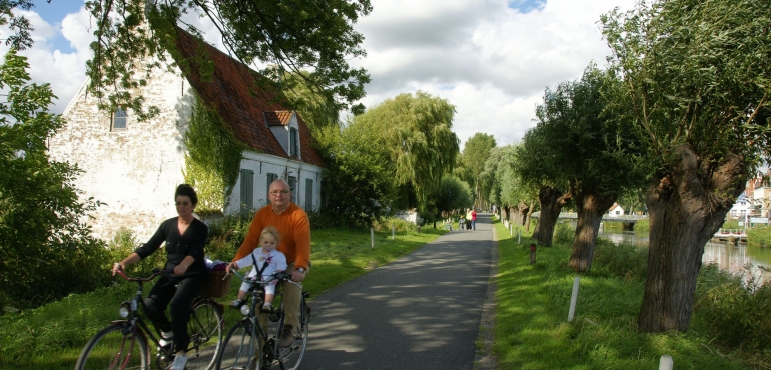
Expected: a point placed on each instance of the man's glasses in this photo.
(277, 192)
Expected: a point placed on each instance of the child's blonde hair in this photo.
(272, 231)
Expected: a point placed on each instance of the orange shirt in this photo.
(295, 232)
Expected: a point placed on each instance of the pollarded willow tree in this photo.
(312, 39)
(696, 82)
(416, 132)
(537, 166)
(506, 187)
(593, 149)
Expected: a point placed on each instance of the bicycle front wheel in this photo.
(240, 350)
(205, 328)
(291, 356)
(111, 348)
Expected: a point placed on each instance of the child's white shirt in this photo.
(276, 262)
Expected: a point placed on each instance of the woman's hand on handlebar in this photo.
(229, 266)
(116, 267)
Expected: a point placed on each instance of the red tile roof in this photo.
(245, 107)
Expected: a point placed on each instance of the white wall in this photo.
(261, 165)
(135, 171)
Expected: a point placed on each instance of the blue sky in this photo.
(53, 13)
(526, 6)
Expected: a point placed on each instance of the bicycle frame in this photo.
(261, 334)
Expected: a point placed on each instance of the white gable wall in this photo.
(134, 171)
(261, 165)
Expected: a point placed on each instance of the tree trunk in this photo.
(591, 208)
(552, 201)
(686, 207)
(529, 214)
(523, 207)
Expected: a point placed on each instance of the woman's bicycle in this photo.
(124, 343)
(253, 343)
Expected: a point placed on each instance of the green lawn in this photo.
(52, 336)
(532, 331)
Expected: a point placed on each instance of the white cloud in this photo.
(491, 61)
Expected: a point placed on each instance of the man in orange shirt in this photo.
(292, 223)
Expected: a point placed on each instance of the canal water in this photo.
(726, 255)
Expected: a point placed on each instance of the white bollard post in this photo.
(372, 232)
(519, 238)
(393, 232)
(573, 299)
(666, 363)
(511, 231)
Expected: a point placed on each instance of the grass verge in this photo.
(532, 331)
(53, 335)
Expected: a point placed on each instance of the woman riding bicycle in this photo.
(185, 237)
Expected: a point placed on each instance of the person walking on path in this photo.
(292, 224)
(473, 219)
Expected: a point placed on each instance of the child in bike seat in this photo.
(266, 261)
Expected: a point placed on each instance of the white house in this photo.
(616, 210)
(742, 207)
(135, 166)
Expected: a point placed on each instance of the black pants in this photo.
(181, 295)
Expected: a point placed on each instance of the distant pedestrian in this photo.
(468, 219)
(474, 219)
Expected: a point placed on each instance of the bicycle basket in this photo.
(214, 286)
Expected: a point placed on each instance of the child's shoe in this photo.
(266, 307)
(236, 303)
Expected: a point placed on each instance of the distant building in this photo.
(741, 208)
(134, 167)
(758, 193)
(616, 210)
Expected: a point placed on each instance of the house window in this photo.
(292, 182)
(308, 195)
(119, 118)
(271, 177)
(247, 182)
(293, 143)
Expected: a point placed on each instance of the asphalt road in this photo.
(420, 312)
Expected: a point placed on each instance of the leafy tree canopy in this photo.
(695, 73)
(132, 37)
(43, 236)
(416, 131)
(475, 154)
(453, 194)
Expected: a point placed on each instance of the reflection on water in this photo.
(727, 256)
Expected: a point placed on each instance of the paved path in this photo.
(420, 312)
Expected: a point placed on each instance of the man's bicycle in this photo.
(253, 343)
(124, 343)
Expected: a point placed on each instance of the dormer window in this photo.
(119, 119)
(294, 143)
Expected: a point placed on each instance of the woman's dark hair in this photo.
(186, 189)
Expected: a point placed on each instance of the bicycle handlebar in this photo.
(156, 272)
(276, 276)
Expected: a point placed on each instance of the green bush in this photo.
(226, 235)
(322, 221)
(564, 233)
(759, 236)
(642, 224)
(626, 261)
(733, 311)
(401, 225)
(123, 243)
